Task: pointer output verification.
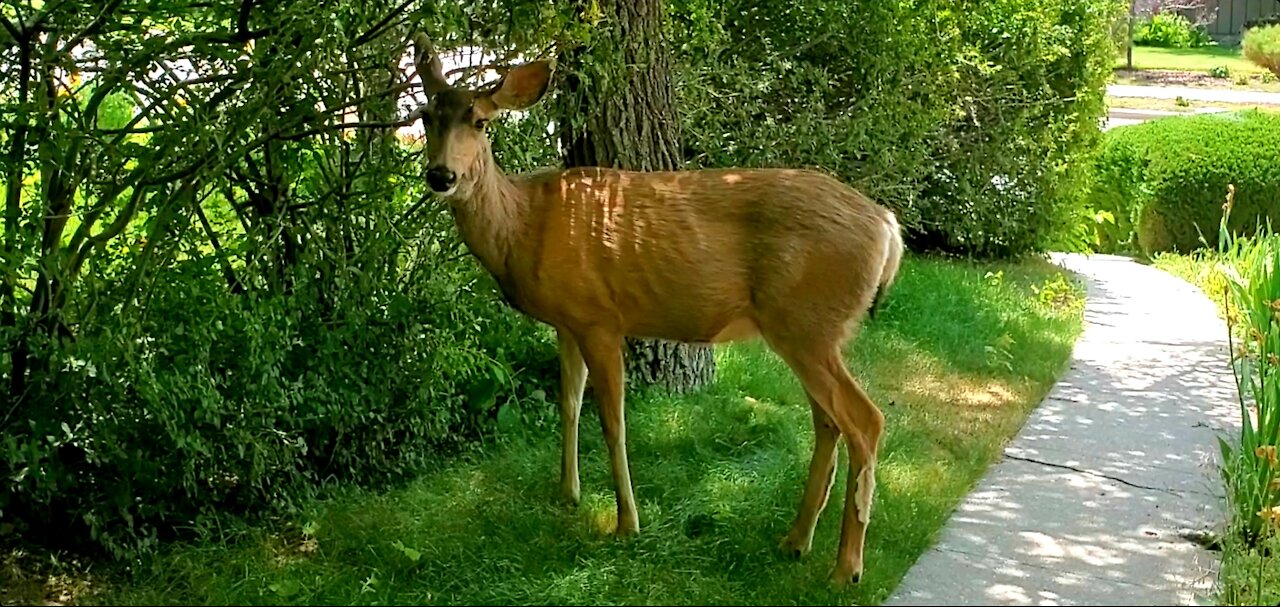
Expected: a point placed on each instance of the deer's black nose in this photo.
(441, 179)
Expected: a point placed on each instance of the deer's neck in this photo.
(489, 216)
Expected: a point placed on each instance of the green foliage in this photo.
(228, 304)
(1261, 45)
(1252, 268)
(1163, 181)
(970, 121)
(1251, 470)
(1170, 30)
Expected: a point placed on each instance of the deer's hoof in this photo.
(841, 577)
(793, 547)
(627, 528)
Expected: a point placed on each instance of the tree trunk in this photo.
(1133, 9)
(622, 115)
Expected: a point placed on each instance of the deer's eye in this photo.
(481, 123)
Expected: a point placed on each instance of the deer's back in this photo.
(717, 242)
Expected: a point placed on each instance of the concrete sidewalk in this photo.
(1194, 94)
(1091, 501)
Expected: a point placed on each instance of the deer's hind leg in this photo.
(817, 362)
(822, 473)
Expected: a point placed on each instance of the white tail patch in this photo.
(866, 488)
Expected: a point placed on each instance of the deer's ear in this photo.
(523, 86)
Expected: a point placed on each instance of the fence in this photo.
(1230, 16)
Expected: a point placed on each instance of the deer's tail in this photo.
(892, 262)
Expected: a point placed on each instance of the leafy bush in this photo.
(1170, 30)
(1220, 71)
(1163, 180)
(972, 123)
(1261, 45)
(205, 402)
(268, 306)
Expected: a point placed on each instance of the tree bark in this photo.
(622, 115)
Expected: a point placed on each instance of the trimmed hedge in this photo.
(1164, 182)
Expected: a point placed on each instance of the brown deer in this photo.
(706, 256)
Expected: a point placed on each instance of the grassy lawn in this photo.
(1190, 59)
(959, 356)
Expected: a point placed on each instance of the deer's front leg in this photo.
(602, 351)
(573, 380)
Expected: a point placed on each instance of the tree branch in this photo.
(377, 28)
(92, 28)
(242, 20)
(9, 27)
(344, 126)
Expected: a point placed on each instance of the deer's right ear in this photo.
(523, 86)
(430, 69)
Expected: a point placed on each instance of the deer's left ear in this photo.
(523, 86)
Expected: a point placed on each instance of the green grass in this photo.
(1200, 59)
(957, 359)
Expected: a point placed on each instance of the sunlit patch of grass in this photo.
(956, 359)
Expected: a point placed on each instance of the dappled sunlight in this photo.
(965, 392)
(599, 512)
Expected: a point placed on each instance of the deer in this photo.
(708, 256)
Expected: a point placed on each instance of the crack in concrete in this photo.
(1093, 473)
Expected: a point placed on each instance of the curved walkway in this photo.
(1091, 501)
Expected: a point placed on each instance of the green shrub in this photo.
(1170, 30)
(1261, 45)
(972, 123)
(385, 353)
(1220, 71)
(1164, 180)
(207, 403)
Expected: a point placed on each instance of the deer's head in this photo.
(454, 119)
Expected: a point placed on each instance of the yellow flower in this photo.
(1268, 452)
(1269, 514)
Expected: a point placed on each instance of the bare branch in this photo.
(377, 28)
(92, 28)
